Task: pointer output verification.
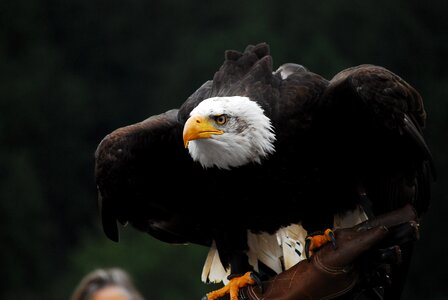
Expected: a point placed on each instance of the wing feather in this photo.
(373, 122)
(135, 168)
(370, 131)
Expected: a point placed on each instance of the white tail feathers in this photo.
(265, 248)
(279, 251)
(213, 270)
(292, 240)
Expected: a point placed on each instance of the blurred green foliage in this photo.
(72, 71)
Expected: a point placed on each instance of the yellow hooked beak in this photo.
(198, 127)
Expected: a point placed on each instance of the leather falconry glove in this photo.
(358, 263)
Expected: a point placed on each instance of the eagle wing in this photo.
(372, 122)
(372, 150)
(135, 167)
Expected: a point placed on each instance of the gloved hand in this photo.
(359, 264)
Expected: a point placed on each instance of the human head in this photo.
(106, 284)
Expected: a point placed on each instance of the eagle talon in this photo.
(332, 238)
(316, 240)
(307, 247)
(257, 280)
(233, 287)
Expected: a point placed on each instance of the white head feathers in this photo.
(248, 134)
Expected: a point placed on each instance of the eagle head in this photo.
(227, 132)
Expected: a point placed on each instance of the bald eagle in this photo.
(256, 159)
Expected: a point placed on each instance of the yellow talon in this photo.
(316, 241)
(232, 287)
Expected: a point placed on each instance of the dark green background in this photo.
(72, 71)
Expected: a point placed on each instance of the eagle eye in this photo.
(221, 119)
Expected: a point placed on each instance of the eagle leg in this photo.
(232, 288)
(316, 240)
